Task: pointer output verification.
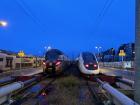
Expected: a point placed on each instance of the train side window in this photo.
(9, 61)
(1, 59)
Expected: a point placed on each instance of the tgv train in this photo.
(9, 62)
(88, 64)
(55, 61)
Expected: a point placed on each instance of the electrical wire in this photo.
(29, 13)
(101, 15)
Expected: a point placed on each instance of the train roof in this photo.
(55, 50)
(86, 52)
(8, 52)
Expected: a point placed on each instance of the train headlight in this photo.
(86, 65)
(95, 65)
(58, 63)
(44, 63)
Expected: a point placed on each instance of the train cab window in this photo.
(1, 59)
(88, 57)
(53, 55)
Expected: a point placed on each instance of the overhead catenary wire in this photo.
(103, 9)
(29, 13)
(98, 20)
(101, 14)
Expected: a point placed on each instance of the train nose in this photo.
(91, 66)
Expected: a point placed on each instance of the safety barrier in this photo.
(123, 65)
(116, 97)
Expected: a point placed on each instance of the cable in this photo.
(104, 7)
(29, 13)
(99, 19)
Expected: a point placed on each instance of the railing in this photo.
(115, 96)
(123, 65)
(5, 91)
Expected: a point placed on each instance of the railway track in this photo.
(29, 94)
(103, 95)
(6, 81)
(94, 91)
(32, 92)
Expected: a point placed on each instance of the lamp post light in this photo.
(45, 49)
(3, 23)
(98, 49)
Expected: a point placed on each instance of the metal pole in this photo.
(137, 58)
(5, 91)
(122, 59)
(117, 97)
(20, 62)
(98, 51)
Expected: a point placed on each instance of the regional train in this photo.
(55, 62)
(88, 64)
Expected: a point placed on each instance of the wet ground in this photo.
(22, 72)
(118, 72)
(67, 89)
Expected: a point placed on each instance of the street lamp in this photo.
(98, 48)
(45, 47)
(3, 23)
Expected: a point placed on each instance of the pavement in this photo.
(27, 72)
(118, 72)
(22, 72)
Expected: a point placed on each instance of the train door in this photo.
(9, 62)
(1, 64)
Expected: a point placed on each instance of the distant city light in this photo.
(3, 23)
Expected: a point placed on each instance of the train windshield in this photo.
(53, 55)
(89, 58)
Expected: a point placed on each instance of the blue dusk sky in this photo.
(69, 25)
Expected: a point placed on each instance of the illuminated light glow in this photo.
(95, 65)
(87, 65)
(44, 63)
(98, 47)
(45, 47)
(49, 48)
(3, 23)
(58, 63)
(43, 94)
